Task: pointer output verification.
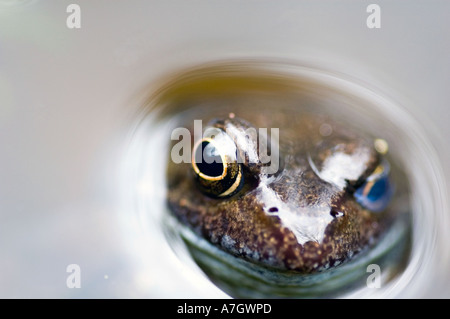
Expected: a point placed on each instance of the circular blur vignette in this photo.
(154, 235)
(87, 109)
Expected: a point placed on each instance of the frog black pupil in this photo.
(208, 159)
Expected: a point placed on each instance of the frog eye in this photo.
(376, 192)
(217, 171)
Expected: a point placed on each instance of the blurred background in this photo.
(69, 98)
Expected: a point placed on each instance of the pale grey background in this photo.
(67, 98)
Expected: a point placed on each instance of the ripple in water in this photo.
(260, 87)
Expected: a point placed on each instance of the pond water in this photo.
(258, 88)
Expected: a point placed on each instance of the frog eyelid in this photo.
(235, 185)
(381, 170)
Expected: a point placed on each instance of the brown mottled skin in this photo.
(243, 225)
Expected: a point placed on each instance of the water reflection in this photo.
(201, 92)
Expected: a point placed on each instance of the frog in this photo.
(327, 202)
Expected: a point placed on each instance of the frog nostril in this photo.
(273, 209)
(336, 213)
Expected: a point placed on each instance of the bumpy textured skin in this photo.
(243, 224)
